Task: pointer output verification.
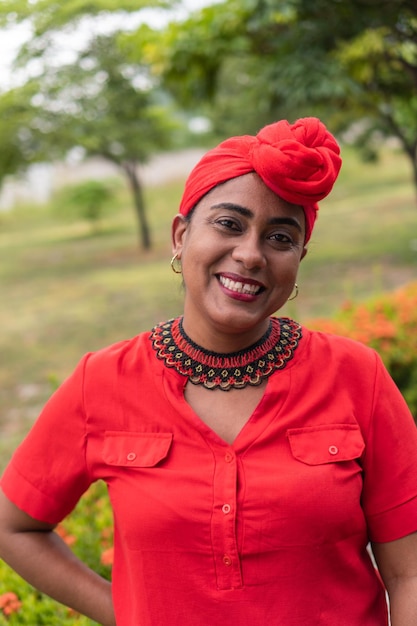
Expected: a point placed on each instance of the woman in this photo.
(249, 461)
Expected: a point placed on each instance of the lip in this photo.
(240, 287)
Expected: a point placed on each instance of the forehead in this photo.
(250, 191)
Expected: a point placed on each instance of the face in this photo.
(240, 254)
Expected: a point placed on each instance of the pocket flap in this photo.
(317, 445)
(135, 449)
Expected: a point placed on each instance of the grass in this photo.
(67, 290)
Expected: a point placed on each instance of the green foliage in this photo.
(389, 325)
(98, 101)
(342, 61)
(89, 200)
(88, 531)
(346, 62)
(222, 72)
(103, 105)
(19, 132)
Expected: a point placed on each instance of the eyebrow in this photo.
(245, 212)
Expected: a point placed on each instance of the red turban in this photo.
(299, 162)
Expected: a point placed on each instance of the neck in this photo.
(223, 342)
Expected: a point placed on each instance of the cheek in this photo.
(285, 277)
(192, 265)
(197, 253)
(287, 264)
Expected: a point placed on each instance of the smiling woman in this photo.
(239, 260)
(249, 460)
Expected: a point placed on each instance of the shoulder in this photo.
(123, 353)
(121, 347)
(341, 359)
(117, 375)
(325, 344)
(101, 371)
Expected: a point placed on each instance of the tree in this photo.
(374, 45)
(98, 101)
(107, 107)
(264, 59)
(18, 144)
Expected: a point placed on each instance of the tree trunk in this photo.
(130, 169)
(414, 166)
(411, 152)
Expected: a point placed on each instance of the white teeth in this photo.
(239, 286)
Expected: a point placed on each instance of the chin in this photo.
(237, 322)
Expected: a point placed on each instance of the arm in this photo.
(38, 554)
(397, 563)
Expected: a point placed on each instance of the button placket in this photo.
(227, 562)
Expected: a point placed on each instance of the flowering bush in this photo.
(88, 530)
(388, 324)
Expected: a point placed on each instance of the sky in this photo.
(11, 39)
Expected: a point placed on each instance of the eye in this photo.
(228, 223)
(281, 238)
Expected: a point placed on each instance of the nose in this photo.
(249, 252)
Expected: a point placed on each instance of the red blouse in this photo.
(270, 530)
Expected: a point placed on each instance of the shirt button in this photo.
(227, 560)
(131, 456)
(228, 457)
(226, 508)
(333, 449)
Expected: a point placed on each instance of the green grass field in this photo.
(66, 290)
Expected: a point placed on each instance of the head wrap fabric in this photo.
(299, 162)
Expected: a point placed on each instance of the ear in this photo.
(304, 252)
(178, 230)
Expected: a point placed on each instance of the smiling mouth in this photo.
(240, 287)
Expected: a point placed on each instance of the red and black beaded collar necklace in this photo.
(226, 371)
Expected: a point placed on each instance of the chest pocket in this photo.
(131, 449)
(318, 445)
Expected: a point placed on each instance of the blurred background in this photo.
(105, 107)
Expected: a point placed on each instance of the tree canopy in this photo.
(96, 101)
(352, 63)
(240, 63)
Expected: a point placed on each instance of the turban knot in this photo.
(299, 162)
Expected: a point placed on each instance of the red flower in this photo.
(107, 557)
(65, 536)
(9, 603)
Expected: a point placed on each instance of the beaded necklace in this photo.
(231, 370)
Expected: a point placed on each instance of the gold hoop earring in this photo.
(296, 293)
(176, 268)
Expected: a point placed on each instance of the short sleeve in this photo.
(390, 463)
(48, 472)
